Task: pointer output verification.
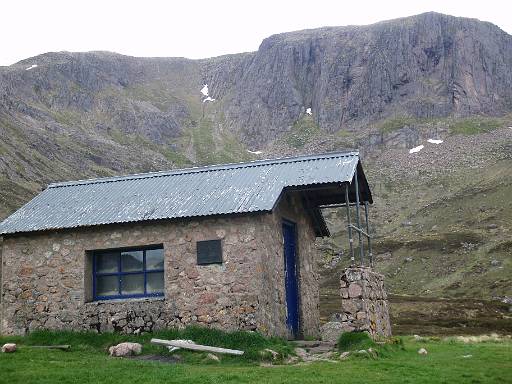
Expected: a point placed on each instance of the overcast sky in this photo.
(197, 29)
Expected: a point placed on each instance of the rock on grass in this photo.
(125, 349)
(9, 348)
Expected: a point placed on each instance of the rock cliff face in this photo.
(428, 65)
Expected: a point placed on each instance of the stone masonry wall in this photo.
(364, 305)
(274, 294)
(1, 285)
(47, 279)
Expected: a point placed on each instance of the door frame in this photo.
(295, 333)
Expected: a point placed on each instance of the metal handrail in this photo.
(360, 231)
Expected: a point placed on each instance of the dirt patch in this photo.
(437, 316)
(445, 242)
(446, 316)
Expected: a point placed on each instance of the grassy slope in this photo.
(459, 244)
(65, 144)
(442, 217)
(487, 363)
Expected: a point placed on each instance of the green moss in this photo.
(302, 132)
(119, 137)
(212, 148)
(475, 125)
(174, 156)
(396, 123)
(154, 94)
(177, 158)
(202, 140)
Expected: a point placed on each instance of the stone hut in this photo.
(226, 246)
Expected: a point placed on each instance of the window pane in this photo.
(131, 261)
(107, 262)
(155, 282)
(132, 284)
(107, 286)
(155, 259)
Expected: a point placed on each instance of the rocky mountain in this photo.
(424, 66)
(441, 216)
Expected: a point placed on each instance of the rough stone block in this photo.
(365, 308)
(125, 349)
(331, 331)
(355, 290)
(9, 348)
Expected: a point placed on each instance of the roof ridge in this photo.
(206, 168)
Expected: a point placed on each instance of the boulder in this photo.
(331, 331)
(418, 338)
(213, 357)
(422, 351)
(271, 352)
(125, 349)
(9, 348)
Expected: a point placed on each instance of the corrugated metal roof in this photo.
(203, 191)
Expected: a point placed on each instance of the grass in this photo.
(302, 132)
(211, 147)
(353, 341)
(448, 361)
(449, 245)
(398, 122)
(251, 343)
(130, 140)
(464, 126)
(475, 125)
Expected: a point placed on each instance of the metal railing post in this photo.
(361, 249)
(370, 253)
(349, 224)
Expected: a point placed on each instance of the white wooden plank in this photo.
(195, 347)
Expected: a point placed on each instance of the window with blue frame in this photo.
(128, 273)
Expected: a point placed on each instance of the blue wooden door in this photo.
(291, 281)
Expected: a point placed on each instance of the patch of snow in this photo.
(416, 149)
(32, 66)
(308, 111)
(255, 152)
(510, 127)
(435, 141)
(208, 99)
(204, 90)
